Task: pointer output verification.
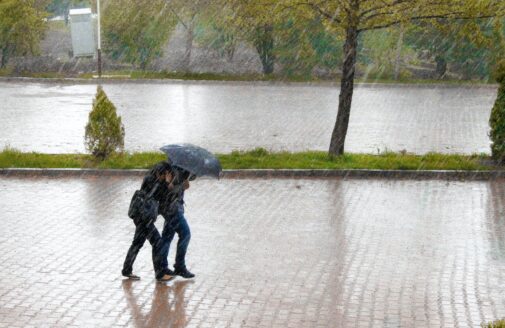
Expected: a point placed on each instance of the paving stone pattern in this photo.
(267, 253)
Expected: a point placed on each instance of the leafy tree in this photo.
(135, 30)
(62, 7)
(304, 44)
(497, 119)
(353, 17)
(22, 25)
(470, 46)
(381, 51)
(251, 21)
(104, 132)
(217, 37)
(187, 13)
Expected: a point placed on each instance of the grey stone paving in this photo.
(50, 118)
(267, 253)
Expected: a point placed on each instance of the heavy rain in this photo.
(273, 163)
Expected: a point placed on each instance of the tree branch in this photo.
(396, 22)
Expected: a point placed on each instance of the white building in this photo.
(83, 32)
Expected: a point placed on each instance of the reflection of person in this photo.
(160, 174)
(175, 222)
(164, 312)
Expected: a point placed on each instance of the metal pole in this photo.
(99, 48)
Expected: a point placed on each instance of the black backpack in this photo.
(144, 206)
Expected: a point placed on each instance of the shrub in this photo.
(104, 132)
(495, 324)
(497, 119)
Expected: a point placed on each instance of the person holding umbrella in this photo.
(188, 162)
(175, 222)
(155, 185)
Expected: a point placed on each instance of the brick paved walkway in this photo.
(283, 253)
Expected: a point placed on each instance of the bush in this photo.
(495, 324)
(104, 131)
(497, 119)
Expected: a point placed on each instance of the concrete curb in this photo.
(269, 173)
(226, 82)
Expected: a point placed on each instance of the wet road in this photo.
(50, 118)
(353, 253)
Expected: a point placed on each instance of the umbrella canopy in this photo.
(194, 159)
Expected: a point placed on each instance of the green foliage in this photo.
(136, 30)
(62, 7)
(22, 25)
(217, 37)
(255, 159)
(497, 119)
(303, 45)
(263, 41)
(499, 73)
(104, 132)
(471, 47)
(495, 324)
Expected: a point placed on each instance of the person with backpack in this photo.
(156, 185)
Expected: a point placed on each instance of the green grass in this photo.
(58, 25)
(256, 159)
(133, 74)
(43, 75)
(495, 324)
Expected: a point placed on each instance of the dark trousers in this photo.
(143, 232)
(175, 223)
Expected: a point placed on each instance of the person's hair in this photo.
(161, 168)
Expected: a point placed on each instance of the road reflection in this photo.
(167, 307)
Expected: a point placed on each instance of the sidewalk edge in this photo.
(272, 173)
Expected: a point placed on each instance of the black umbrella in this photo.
(194, 159)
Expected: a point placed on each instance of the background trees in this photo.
(497, 119)
(135, 30)
(354, 17)
(22, 25)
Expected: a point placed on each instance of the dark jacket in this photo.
(170, 200)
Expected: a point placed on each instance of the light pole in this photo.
(99, 47)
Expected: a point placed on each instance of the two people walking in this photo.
(165, 183)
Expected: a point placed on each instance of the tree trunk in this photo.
(264, 43)
(189, 46)
(398, 59)
(441, 67)
(4, 57)
(346, 91)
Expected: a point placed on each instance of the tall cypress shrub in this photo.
(104, 133)
(497, 119)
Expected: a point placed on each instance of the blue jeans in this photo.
(175, 223)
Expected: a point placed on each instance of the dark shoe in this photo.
(184, 273)
(131, 276)
(166, 277)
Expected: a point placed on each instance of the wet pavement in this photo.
(50, 118)
(267, 253)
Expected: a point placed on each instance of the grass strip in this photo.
(257, 159)
(495, 324)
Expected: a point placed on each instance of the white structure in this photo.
(83, 32)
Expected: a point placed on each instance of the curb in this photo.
(271, 173)
(229, 82)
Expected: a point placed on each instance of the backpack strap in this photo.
(155, 187)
